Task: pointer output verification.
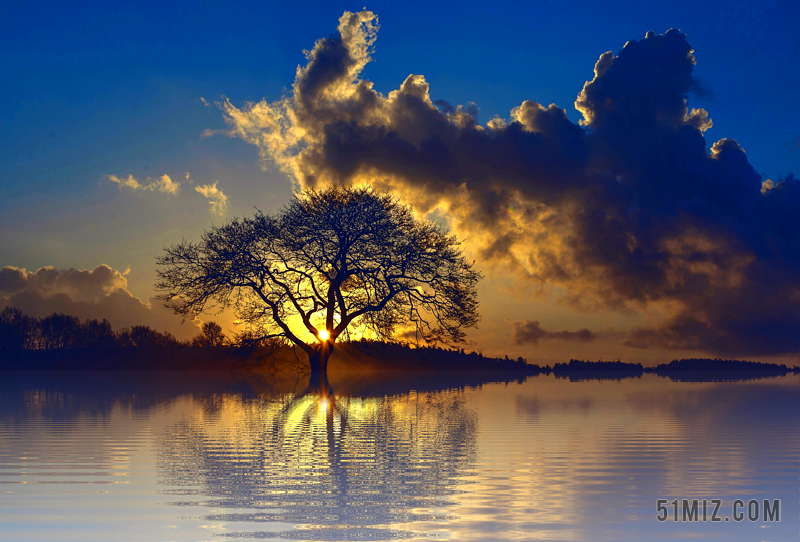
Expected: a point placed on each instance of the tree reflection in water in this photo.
(321, 466)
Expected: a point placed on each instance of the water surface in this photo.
(161, 456)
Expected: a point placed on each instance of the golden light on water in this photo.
(323, 334)
(466, 463)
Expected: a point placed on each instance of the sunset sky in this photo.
(656, 217)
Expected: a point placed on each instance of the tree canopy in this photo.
(211, 335)
(330, 262)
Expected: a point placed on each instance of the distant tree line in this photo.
(709, 370)
(444, 358)
(577, 370)
(57, 332)
(62, 333)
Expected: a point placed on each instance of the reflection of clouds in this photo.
(337, 468)
(596, 455)
(732, 441)
(531, 406)
(31, 421)
(714, 437)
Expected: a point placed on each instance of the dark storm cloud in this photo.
(79, 283)
(531, 332)
(630, 209)
(96, 294)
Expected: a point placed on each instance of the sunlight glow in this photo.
(323, 334)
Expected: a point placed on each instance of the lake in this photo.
(193, 456)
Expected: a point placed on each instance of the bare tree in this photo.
(210, 335)
(329, 262)
(18, 331)
(59, 331)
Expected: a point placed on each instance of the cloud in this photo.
(629, 209)
(97, 293)
(216, 199)
(80, 284)
(531, 332)
(162, 184)
(769, 184)
(128, 181)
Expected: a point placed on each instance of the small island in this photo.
(577, 370)
(703, 369)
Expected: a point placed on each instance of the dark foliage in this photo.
(584, 370)
(211, 335)
(438, 358)
(17, 330)
(60, 332)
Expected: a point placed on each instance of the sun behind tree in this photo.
(330, 261)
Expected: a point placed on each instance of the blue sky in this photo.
(104, 89)
(103, 86)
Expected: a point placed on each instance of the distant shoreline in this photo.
(370, 356)
(685, 370)
(61, 342)
(702, 369)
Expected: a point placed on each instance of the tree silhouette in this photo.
(144, 337)
(210, 335)
(330, 261)
(17, 330)
(59, 331)
(97, 334)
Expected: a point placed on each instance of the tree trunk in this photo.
(319, 366)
